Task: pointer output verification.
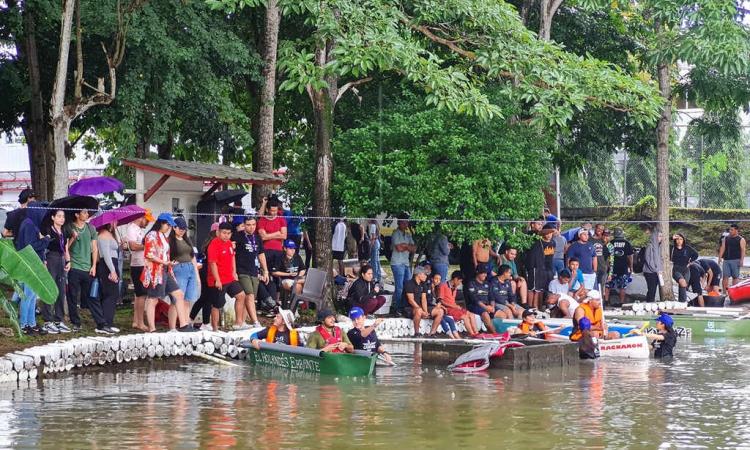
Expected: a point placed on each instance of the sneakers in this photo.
(28, 331)
(257, 325)
(206, 327)
(62, 328)
(50, 328)
(187, 329)
(114, 329)
(76, 328)
(39, 330)
(242, 327)
(104, 330)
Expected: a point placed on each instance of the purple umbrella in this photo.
(95, 186)
(122, 215)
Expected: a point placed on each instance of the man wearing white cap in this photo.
(280, 332)
(591, 308)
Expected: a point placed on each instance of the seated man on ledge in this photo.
(327, 336)
(280, 332)
(289, 268)
(591, 308)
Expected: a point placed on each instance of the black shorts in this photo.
(217, 296)
(167, 286)
(135, 276)
(339, 256)
(716, 280)
(538, 280)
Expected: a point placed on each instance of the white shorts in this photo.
(287, 283)
(589, 281)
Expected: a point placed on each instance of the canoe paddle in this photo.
(643, 327)
(385, 361)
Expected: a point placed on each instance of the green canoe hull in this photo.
(308, 360)
(701, 326)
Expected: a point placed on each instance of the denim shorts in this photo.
(731, 268)
(187, 280)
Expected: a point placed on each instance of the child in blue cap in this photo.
(665, 339)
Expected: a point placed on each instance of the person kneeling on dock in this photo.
(665, 339)
(280, 332)
(364, 337)
(327, 336)
(591, 308)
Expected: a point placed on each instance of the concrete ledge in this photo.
(532, 356)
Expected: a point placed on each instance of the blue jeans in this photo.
(558, 265)
(27, 307)
(401, 274)
(442, 269)
(448, 324)
(187, 280)
(375, 259)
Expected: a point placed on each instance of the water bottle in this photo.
(94, 291)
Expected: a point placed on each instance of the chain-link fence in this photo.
(706, 171)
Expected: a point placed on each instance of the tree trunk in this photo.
(263, 155)
(662, 175)
(36, 128)
(164, 150)
(323, 118)
(61, 123)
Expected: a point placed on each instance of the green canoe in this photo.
(701, 325)
(302, 359)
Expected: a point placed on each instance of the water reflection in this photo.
(699, 400)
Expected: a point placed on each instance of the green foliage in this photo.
(439, 165)
(23, 267)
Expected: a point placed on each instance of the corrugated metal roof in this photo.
(199, 171)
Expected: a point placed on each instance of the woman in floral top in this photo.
(157, 276)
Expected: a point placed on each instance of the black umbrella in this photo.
(73, 203)
(229, 196)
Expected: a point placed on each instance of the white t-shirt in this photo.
(555, 287)
(339, 237)
(573, 304)
(135, 235)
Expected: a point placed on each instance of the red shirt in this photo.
(272, 226)
(221, 253)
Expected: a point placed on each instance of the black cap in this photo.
(226, 226)
(25, 195)
(482, 268)
(323, 313)
(528, 312)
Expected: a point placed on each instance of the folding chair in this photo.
(312, 290)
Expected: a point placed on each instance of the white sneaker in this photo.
(173, 330)
(242, 327)
(206, 327)
(62, 328)
(114, 329)
(257, 325)
(50, 328)
(103, 331)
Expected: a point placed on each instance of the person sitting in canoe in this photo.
(665, 339)
(591, 308)
(327, 336)
(280, 332)
(532, 327)
(364, 337)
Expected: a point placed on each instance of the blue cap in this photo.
(238, 220)
(356, 312)
(180, 223)
(290, 244)
(166, 217)
(584, 324)
(666, 319)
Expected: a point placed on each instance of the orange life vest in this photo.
(271, 336)
(595, 317)
(527, 328)
(330, 339)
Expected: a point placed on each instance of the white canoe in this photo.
(635, 347)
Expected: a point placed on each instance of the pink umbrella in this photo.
(122, 215)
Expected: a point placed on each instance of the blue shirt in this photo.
(585, 255)
(293, 225)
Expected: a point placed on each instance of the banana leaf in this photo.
(25, 267)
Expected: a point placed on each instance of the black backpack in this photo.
(640, 259)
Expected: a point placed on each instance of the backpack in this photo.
(639, 260)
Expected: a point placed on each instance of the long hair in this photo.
(173, 244)
(155, 227)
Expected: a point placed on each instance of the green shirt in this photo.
(315, 340)
(80, 250)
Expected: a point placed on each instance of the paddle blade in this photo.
(25, 267)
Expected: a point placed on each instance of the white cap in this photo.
(288, 317)
(594, 295)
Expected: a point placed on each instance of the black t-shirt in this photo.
(430, 291)
(280, 337)
(57, 241)
(412, 287)
(664, 349)
(682, 256)
(247, 249)
(13, 221)
(280, 263)
(501, 292)
(710, 264)
(621, 251)
(477, 292)
(371, 343)
(696, 271)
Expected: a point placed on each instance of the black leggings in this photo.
(103, 308)
(683, 272)
(652, 283)
(204, 301)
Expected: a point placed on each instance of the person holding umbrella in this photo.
(102, 307)
(84, 254)
(157, 276)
